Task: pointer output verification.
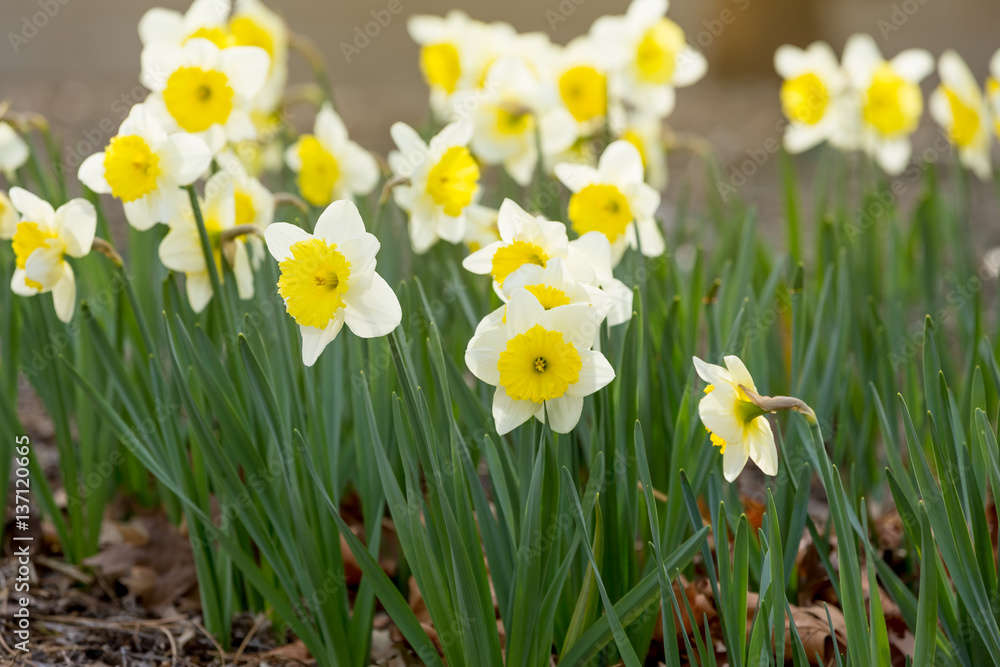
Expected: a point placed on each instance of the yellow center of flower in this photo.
(245, 211)
(892, 105)
(964, 120)
(538, 365)
(441, 66)
(804, 98)
(584, 92)
(550, 297)
(130, 167)
(313, 282)
(320, 171)
(600, 208)
(216, 35)
(28, 238)
(509, 258)
(513, 122)
(198, 98)
(656, 55)
(247, 33)
(453, 180)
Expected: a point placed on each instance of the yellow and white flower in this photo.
(541, 362)
(739, 428)
(813, 97)
(656, 58)
(614, 200)
(553, 286)
(580, 71)
(205, 19)
(143, 166)
(8, 217)
(13, 149)
(42, 241)
(250, 24)
(329, 279)
(329, 165)
(181, 250)
(593, 251)
(514, 113)
(526, 239)
(959, 106)
(889, 96)
(442, 182)
(204, 90)
(451, 53)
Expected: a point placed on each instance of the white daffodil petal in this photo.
(509, 414)
(595, 374)
(734, 460)
(340, 221)
(76, 224)
(281, 236)
(563, 413)
(373, 312)
(199, 290)
(91, 174)
(64, 295)
(314, 340)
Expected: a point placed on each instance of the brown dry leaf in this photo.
(151, 557)
(295, 650)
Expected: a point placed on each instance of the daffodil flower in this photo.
(13, 149)
(42, 241)
(889, 96)
(249, 24)
(553, 286)
(614, 199)
(580, 70)
(329, 279)
(442, 181)
(813, 98)
(540, 362)
(328, 164)
(654, 54)
(204, 90)
(515, 114)
(181, 250)
(8, 217)
(144, 166)
(449, 53)
(738, 427)
(959, 106)
(526, 239)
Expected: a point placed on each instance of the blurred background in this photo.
(78, 62)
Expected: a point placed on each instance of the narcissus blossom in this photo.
(42, 241)
(960, 107)
(202, 89)
(181, 250)
(204, 18)
(13, 149)
(813, 97)
(525, 239)
(738, 427)
(328, 279)
(442, 182)
(655, 57)
(614, 199)
(328, 164)
(541, 362)
(889, 97)
(993, 91)
(144, 166)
